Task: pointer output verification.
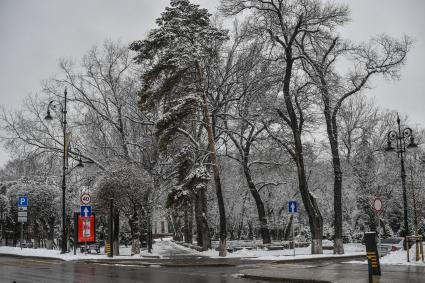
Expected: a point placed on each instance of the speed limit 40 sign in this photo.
(85, 198)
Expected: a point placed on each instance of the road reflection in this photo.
(26, 270)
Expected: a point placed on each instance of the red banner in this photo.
(86, 229)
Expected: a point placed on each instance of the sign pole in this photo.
(379, 229)
(293, 210)
(22, 233)
(293, 233)
(75, 232)
(111, 226)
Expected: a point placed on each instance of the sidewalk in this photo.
(338, 273)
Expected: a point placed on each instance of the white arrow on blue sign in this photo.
(85, 210)
(22, 201)
(292, 206)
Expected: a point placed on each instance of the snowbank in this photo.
(400, 258)
(167, 248)
(287, 254)
(160, 249)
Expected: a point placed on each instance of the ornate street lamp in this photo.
(403, 139)
(54, 105)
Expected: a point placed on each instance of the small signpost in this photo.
(293, 209)
(22, 214)
(85, 223)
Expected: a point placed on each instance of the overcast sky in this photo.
(35, 34)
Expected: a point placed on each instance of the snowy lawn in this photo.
(167, 248)
(397, 258)
(287, 254)
(160, 249)
(400, 258)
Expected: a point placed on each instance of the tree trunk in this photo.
(216, 172)
(116, 240)
(331, 128)
(264, 229)
(296, 124)
(187, 226)
(287, 232)
(51, 233)
(203, 231)
(135, 234)
(198, 220)
(310, 204)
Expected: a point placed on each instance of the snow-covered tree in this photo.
(174, 55)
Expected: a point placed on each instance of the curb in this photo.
(282, 279)
(30, 256)
(295, 260)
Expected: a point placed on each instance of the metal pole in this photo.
(378, 229)
(75, 232)
(22, 233)
(415, 217)
(111, 226)
(293, 233)
(402, 147)
(64, 244)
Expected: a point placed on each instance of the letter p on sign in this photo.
(22, 201)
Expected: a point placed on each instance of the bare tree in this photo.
(285, 23)
(321, 51)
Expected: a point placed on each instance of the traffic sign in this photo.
(85, 198)
(85, 228)
(292, 206)
(22, 214)
(85, 210)
(23, 201)
(377, 205)
(22, 208)
(22, 219)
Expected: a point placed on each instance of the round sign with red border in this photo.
(85, 198)
(377, 205)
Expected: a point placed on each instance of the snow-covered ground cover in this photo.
(160, 249)
(166, 248)
(400, 258)
(397, 258)
(287, 254)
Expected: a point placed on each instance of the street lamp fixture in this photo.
(53, 106)
(48, 116)
(403, 139)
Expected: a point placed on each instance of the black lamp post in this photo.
(404, 139)
(52, 106)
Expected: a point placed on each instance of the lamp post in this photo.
(66, 139)
(402, 138)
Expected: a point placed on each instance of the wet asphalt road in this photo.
(23, 270)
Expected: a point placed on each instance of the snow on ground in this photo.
(400, 258)
(287, 254)
(396, 258)
(167, 248)
(160, 249)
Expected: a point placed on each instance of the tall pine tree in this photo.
(174, 55)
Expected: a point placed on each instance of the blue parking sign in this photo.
(22, 201)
